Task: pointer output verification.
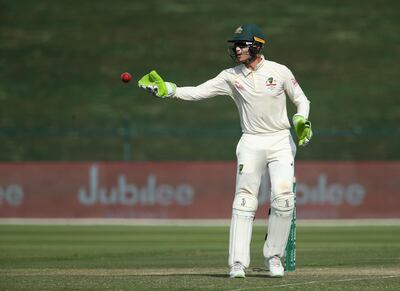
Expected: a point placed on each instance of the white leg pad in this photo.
(279, 223)
(244, 209)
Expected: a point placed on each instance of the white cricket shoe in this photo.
(275, 267)
(237, 271)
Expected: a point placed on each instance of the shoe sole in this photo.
(237, 276)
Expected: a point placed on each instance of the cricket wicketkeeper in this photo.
(259, 88)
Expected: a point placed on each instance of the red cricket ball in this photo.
(126, 77)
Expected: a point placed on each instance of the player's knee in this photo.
(283, 204)
(245, 202)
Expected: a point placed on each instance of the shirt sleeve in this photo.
(296, 94)
(211, 88)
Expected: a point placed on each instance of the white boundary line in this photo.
(189, 222)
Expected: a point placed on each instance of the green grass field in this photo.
(57, 257)
(61, 97)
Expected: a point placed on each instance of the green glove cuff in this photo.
(298, 118)
(171, 89)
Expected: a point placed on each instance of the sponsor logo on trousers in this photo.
(12, 195)
(131, 194)
(323, 193)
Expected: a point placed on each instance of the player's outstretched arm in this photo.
(303, 129)
(154, 84)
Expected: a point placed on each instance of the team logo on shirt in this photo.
(271, 83)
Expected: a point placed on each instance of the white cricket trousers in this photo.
(255, 155)
(258, 153)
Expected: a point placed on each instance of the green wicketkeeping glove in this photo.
(154, 84)
(303, 129)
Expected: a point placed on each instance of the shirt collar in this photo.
(247, 71)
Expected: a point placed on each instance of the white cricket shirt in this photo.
(260, 95)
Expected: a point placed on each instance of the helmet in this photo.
(252, 35)
(248, 32)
